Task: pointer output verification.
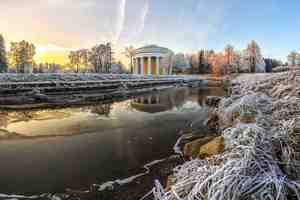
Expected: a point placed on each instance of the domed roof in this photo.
(153, 49)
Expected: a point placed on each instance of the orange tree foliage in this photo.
(218, 65)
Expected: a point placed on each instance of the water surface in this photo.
(54, 149)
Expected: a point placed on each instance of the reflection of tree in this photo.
(179, 97)
(101, 109)
(26, 115)
(201, 98)
(204, 93)
(4, 119)
(23, 116)
(9, 117)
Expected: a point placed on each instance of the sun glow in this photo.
(52, 54)
(59, 55)
(51, 57)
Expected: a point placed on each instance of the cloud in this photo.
(68, 23)
(121, 19)
(143, 16)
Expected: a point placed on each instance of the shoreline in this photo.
(261, 112)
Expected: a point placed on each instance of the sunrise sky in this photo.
(58, 26)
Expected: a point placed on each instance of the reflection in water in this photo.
(101, 109)
(161, 102)
(204, 93)
(74, 121)
(122, 137)
(4, 119)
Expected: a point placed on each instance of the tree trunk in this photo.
(131, 67)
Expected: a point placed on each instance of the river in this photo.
(50, 150)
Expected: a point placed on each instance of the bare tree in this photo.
(3, 58)
(201, 61)
(74, 58)
(22, 56)
(101, 57)
(167, 61)
(130, 52)
(255, 58)
(179, 62)
(108, 57)
(229, 56)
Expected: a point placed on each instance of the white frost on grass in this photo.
(260, 159)
(83, 77)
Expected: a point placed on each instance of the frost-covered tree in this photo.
(79, 59)
(84, 55)
(96, 58)
(293, 58)
(100, 57)
(3, 58)
(217, 62)
(74, 59)
(167, 63)
(252, 58)
(179, 62)
(22, 56)
(192, 62)
(236, 62)
(108, 57)
(229, 54)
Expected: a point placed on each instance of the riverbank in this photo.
(260, 129)
(26, 91)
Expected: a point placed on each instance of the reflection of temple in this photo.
(161, 102)
(150, 104)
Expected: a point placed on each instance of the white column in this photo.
(136, 65)
(149, 66)
(157, 66)
(142, 65)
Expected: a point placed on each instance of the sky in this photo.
(58, 26)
